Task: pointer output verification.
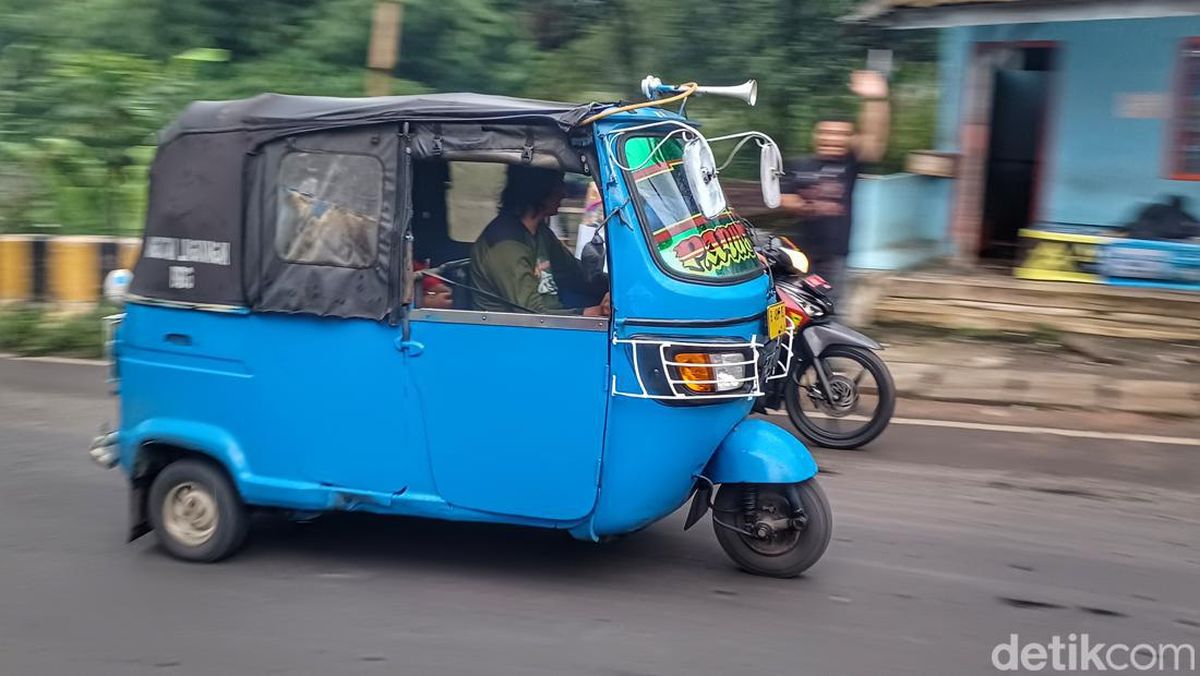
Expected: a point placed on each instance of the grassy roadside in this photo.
(30, 330)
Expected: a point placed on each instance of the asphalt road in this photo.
(946, 541)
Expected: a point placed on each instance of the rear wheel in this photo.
(196, 512)
(856, 410)
(758, 528)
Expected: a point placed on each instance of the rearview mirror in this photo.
(770, 167)
(700, 167)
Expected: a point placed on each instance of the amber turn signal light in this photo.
(697, 378)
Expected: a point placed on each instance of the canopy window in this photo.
(324, 223)
(328, 209)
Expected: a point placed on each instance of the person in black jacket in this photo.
(819, 189)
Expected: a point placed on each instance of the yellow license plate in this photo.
(776, 320)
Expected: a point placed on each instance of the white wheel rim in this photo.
(190, 514)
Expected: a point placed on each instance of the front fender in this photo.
(820, 336)
(756, 451)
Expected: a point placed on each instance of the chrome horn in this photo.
(652, 88)
(747, 91)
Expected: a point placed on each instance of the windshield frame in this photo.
(639, 206)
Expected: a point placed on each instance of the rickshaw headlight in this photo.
(708, 373)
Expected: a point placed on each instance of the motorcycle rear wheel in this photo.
(854, 436)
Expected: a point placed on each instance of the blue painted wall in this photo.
(1101, 167)
(900, 221)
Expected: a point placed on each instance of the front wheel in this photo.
(856, 410)
(760, 530)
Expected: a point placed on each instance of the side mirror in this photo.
(700, 167)
(770, 168)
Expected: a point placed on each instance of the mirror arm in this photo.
(745, 136)
(736, 149)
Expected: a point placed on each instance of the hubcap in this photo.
(190, 514)
(843, 395)
(768, 541)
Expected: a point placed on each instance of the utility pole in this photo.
(385, 46)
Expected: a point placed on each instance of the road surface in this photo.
(947, 540)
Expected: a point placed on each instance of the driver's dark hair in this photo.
(526, 188)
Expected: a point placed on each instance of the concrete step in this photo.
(1004, 289)
(1013, 387)
(1003, 304)
(952, 315)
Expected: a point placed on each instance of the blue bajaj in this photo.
(306, 329)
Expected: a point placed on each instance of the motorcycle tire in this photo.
(863, 435)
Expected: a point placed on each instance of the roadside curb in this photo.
(1011, 387)
(54, 360)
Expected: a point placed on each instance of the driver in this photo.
(518, 259)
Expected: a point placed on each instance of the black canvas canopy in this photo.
(272, 114)
(298, 204)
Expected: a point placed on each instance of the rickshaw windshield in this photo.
(685, 241)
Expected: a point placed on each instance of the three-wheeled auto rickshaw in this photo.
(274, 351)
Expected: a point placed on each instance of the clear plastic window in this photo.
(329, 209)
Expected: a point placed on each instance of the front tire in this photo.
(837, 436)
(196, 512)
(786, 554)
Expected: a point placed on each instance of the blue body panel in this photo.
(757, 451)
(518, 415)
(484, 422)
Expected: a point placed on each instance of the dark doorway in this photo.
(1020, 101)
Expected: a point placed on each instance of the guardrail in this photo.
(61, 269)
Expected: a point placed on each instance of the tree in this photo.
(75, 128)
(85, 83)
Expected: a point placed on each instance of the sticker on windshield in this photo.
(705, 247)
(682, 237)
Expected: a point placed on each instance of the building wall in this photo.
(1101, 166)
(899, 221)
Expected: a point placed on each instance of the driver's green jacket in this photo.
(524, 269)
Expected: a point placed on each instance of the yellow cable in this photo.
(689, 88)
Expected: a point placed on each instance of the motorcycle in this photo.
(836, 390)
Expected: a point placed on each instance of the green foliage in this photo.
(914, 113)
(84, 84)
(28, 330)
(71, 125)
(18, 327)
(467, 44)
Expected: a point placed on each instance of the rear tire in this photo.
(196, 512)
(862, 435)
(794, 552)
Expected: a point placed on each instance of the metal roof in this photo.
(945, 13)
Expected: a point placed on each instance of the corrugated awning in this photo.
(946, 13)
